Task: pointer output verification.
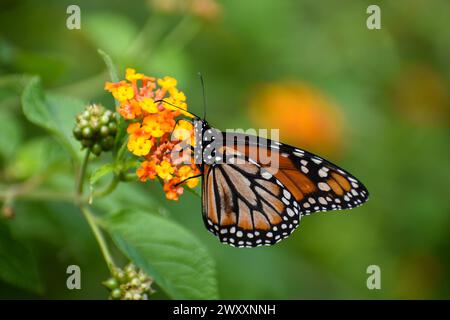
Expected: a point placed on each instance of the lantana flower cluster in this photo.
(155, 109)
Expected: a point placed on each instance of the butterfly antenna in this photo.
(171, 104)
(204, 95)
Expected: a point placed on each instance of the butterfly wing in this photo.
(317, 184)
(246, 206)
(259, 193)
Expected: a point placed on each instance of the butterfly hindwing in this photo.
(245, 206)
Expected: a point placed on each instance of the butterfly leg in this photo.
(181, 182)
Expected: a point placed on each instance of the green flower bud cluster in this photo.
(96, 129)
(129, 283)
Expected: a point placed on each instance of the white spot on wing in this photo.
(266, 174)
(290, 212)
(323, 173)
(323, 186)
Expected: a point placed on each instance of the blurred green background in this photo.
(376, 102)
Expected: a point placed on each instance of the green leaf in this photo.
(143, 199)
(10, 133)
(53, 112)
(117, 168)
(11, 87)
(17, 264)
(100, 172)
(35, 156)
(41, 223)
(180, 264)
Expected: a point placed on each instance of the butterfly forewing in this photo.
(317, 184)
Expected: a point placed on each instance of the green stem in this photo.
(41, 195)
(16, 191)
(129, 177)
(122, 150)
(82, 173)
(99, 237)
(90, 217)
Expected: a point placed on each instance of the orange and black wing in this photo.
(249, 201)
(244, 205)
(317, 184)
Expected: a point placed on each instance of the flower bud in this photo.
(111, 283)
(96, 129)
(135, 282)
(116, 294)
(129, 283)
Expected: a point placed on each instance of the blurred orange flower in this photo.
(154, 135)
(205, 9)
(305, 117)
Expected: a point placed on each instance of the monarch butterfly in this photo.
(247, 202)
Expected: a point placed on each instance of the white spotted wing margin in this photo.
(336, 189)
(246, 206)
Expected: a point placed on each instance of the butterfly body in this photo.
(255, 190)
